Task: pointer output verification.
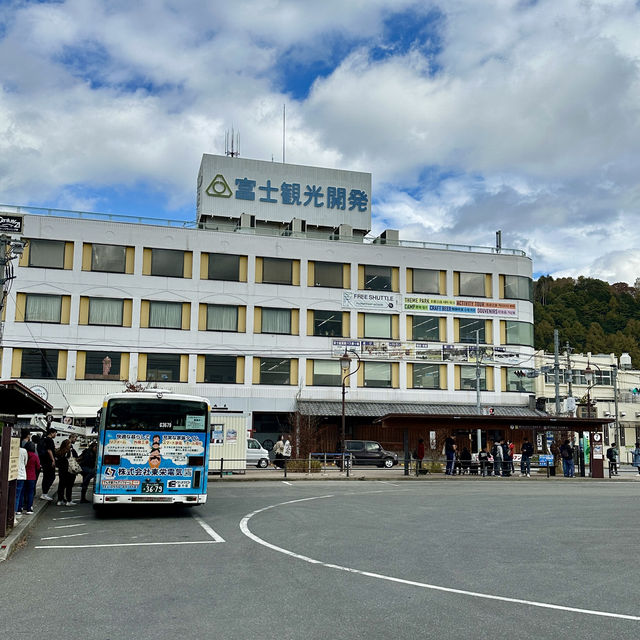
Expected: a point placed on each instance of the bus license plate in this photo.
(152, 488)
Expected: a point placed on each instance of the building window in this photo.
(426, 328)
(46, 253)
(468, 328)
(102, 365)
(39, 363)
(327, 373)
(327, 274)
(519, 333)
(106, 311)
(472, 284)
(518, 288)
(167, 262)
(43, 308)
(426, 281)
(468, 378)
(377, 278)
(163, 367)
(108, 257)
(275, 370)
(165, 315)
(426, 376)
(224, 266)
(277, 271)
(377, 325)
(517, 381)
(220, 369)
(327, 323)
(276, 321)
(377, 374)
(222, 317)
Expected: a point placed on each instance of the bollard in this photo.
(221, 465)
(284, 466)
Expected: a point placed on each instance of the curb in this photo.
(21, 531)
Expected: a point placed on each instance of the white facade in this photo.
(75, 331)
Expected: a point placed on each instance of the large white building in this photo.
(253, 303)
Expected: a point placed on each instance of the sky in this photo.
(514, 115)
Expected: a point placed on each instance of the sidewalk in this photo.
(22, 527)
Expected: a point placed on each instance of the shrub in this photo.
(304, 466)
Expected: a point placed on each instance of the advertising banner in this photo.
(371, 300)
(459, 306)
(150, 463)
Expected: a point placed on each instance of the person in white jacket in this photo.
(22, 476)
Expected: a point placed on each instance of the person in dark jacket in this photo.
(46, 451)
(87, 461)
(506, 459)
(419, 454)
(566, 453)
(65, 477)
(525, 462)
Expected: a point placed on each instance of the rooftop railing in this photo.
(260, 231)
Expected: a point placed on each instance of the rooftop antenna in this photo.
(284, 121)
(232, 143)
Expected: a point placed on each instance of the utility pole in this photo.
(569, 372)
(614, 376)
(556, 368)
(478, 405)
(9, 250)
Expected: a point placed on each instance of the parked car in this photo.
(256, 454)
(370, 452)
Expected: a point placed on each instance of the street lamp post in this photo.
(345, 366)
(591, 382)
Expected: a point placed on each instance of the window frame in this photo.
(217, 256)
(46, 355)
(265, 361)
(276, 309)
(371, 279)
(519, 296)
(370, 364)
(425, 365)
(337, 322)
(266, 261)
(44, 241)
(333, 383)
(111, 355)
(152, 356)
(471, 368)
(108, 270)
(415, 289)
(223, 306)
(366, 333)
(472, 340)
(520, 324)
(106, 324)
(32, 296)
(166, 302)
(231, 363)
(157, 253)
(424, 319)
(325, 264)
(462, 292)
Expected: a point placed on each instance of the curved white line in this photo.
(244, 527)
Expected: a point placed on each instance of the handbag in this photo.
(74, 466)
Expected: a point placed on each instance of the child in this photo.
(483, 459)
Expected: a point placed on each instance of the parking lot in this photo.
(363, 559)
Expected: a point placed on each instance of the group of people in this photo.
(282, 451)
(40, 457)
(499, 460)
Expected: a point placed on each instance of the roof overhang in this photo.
(16, 399)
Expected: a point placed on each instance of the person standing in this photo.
(483, 459)
(612, 457)
(286, 449)
(525, 461)
(450, 453)
(65, 477)
(419, 454)
(496, 452)
(46, 451)
(506, 459)
(87, 461)
(512, 449)
(566, 453)
(635, 457)
(33, 468)
(22, 476)
(278, 448)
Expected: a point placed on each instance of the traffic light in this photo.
(635, 391)
(520, 373)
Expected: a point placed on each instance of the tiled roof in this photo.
(379, 409)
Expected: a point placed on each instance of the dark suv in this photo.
(370, 452)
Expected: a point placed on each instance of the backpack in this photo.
(565, 452)
(494, 450)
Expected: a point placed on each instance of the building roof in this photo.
(379, 409)
(16, 399)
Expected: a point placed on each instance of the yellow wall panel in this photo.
(242, 319)
(83, 315)
(23, 260)
(125, 359)
(200, 368)
(21, 305)
(146, 262)
(240, 370)
(259, 270)
(361, 276)
(81, 364)
(443, 283)
(68, 255)
(442, 329)
(360, 325)
(395, 375)
(456, 329)
(295, 322)
(409, 327)
(144, 314)
(311, 274)
(409, 280)
(295, 273)
(65, 310)
(244, 268)
(488, 372)
(488, 289)
(256, 370)
(346, 276)
(409, 375)
(457, 377)
(443, 376)
(456, 283)
(488, 331)
(257, 320)
(87, 249)
(202, 317)
(503, 378)
(184, 368)
(395, 327)
(395, 279)
(142, 367)
(62, 365)
(309, 379)
(16, 363)
(204, 268)
(186, 316)
(129, 259)
(309, 322)
(188, 264)
(503, 332)
(501, 286)
(293, 378)
(346, 324)
(127, 312)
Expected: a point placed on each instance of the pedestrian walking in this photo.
(635, 457)
(612, 457)
(566, 453)
(46, 452)
(87, 460)
(496, 452)
(286, 449)
(525, 462)
(33, 468)
(65, 477)
(450, 453)
(278, 448)
(465, 460)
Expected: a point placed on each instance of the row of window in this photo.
(114, 312)
(57, 254)
(228, 369)
(602, 378)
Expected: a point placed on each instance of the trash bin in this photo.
(552, 469)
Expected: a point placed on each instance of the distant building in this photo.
(253, 303)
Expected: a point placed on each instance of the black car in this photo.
(370, 452)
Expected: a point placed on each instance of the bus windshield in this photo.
(151, 414)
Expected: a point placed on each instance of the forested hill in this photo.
(591, 314)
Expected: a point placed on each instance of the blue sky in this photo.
(472, 117)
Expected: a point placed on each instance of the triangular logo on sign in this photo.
(219, 188)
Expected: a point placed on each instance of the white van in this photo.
(256, 454)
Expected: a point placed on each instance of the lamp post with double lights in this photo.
(345, 366)
(591, 382)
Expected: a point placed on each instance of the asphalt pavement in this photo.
(373, 558)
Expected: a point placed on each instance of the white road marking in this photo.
(68, 526)
(208, 529)
(244, 527)
(69, 535)
(121, 544)
(387, 482)
(70, 518)
(285, 482)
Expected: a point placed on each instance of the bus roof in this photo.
(164, 394)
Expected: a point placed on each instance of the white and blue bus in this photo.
(153, 447)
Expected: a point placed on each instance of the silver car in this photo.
(256, 454)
